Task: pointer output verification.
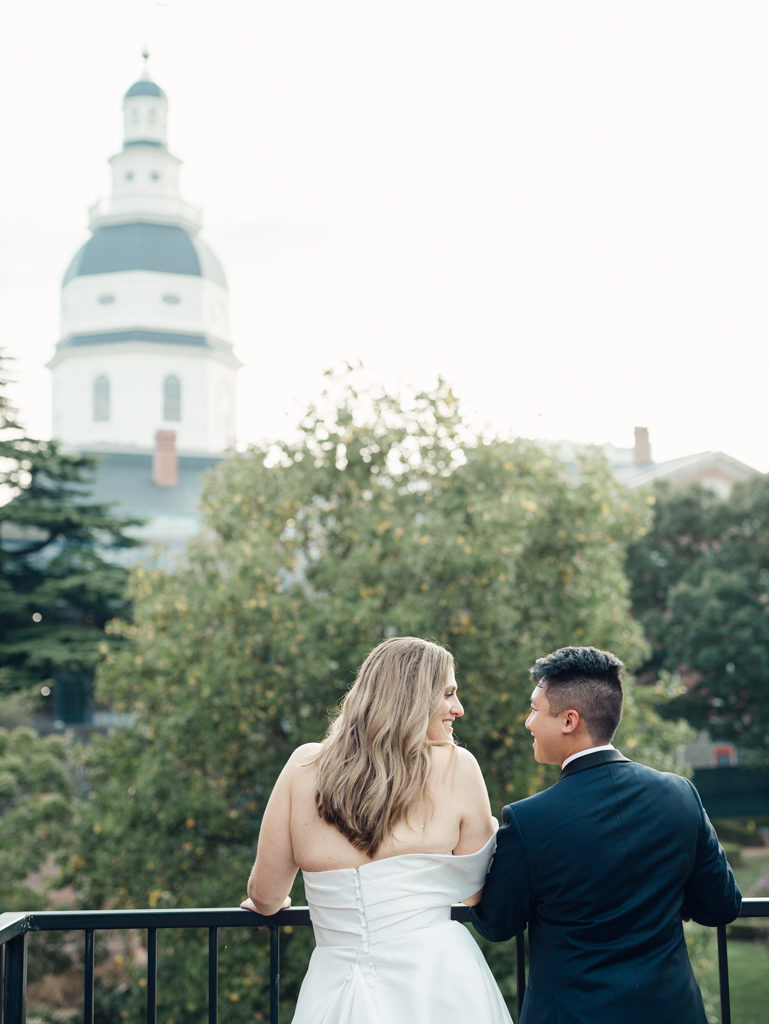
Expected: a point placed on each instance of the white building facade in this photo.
(145, 342)
(144, 371)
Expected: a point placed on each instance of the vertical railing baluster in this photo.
(274, 974)
(88, 994)
(152, 975)
(213, 975)
(16, 980)
(520, 971)
(723, 975)
(2, 983)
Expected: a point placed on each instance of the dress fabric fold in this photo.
(387, 950)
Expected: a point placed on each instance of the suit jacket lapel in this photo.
(581, 764)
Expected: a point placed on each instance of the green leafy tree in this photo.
(647, 737)
(378, 520)
(36, 795)
(59, 581)
(700, 587)
(37, 798)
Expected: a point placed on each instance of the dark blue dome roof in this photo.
(145, 88)
(159, 247)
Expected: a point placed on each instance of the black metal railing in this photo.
(14, 929)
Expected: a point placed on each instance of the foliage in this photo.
(742, 831)
(646, 737)
(700, 588)
(58, 584)
(701, 946)
(379, 520)
(37, 796)
(748, 951)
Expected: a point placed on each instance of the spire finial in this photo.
(146, 72)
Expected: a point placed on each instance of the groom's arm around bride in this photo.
(603, 866)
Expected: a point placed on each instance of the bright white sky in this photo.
(561, 207)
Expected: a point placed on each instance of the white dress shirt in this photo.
(590, 750)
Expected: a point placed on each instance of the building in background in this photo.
(144, 371)
(635, 468)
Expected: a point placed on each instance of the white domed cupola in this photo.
(145, 113)
(144, 302)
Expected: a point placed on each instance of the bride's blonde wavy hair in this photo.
(374, 764)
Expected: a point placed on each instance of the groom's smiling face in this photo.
(547, 729)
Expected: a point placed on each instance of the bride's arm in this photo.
(478, 824)
(274, 869)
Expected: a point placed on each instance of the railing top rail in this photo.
(755, 906)
(194, 917)
(12, 925)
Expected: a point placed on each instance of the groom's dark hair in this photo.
(588, 681)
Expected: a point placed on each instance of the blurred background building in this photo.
(634, 467)
(144, 371)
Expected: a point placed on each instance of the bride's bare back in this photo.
(293, 836)
(459, 821)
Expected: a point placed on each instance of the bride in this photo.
(390, 823)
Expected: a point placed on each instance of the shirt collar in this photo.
(589, 750)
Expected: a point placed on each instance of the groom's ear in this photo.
(571, 721)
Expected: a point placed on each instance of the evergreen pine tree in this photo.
(61, 579)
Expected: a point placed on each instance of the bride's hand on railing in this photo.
(249, 904)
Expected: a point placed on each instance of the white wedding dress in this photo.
(387, 950)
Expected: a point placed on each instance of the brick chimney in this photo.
(642, 451)
(165, 461)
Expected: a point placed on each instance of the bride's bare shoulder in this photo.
(454, 765)
(448, 753)
(304, 756)
(298, 776)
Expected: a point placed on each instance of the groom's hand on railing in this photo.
(474, 900)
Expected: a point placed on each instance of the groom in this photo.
(604, 865)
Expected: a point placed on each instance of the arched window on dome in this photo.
(101, 396)
(172, 399)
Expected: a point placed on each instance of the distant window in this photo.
(172, 399)
(725, 756)
(106, 299)
(172, 300)
(129, 175)
(155, 176)
(101, 399)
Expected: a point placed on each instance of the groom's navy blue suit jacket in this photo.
(602, 867)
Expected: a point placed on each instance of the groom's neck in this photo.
(578, 746)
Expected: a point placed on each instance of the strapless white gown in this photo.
(387, 950)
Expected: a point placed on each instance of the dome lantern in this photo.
(145, 112)
(145, 175)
